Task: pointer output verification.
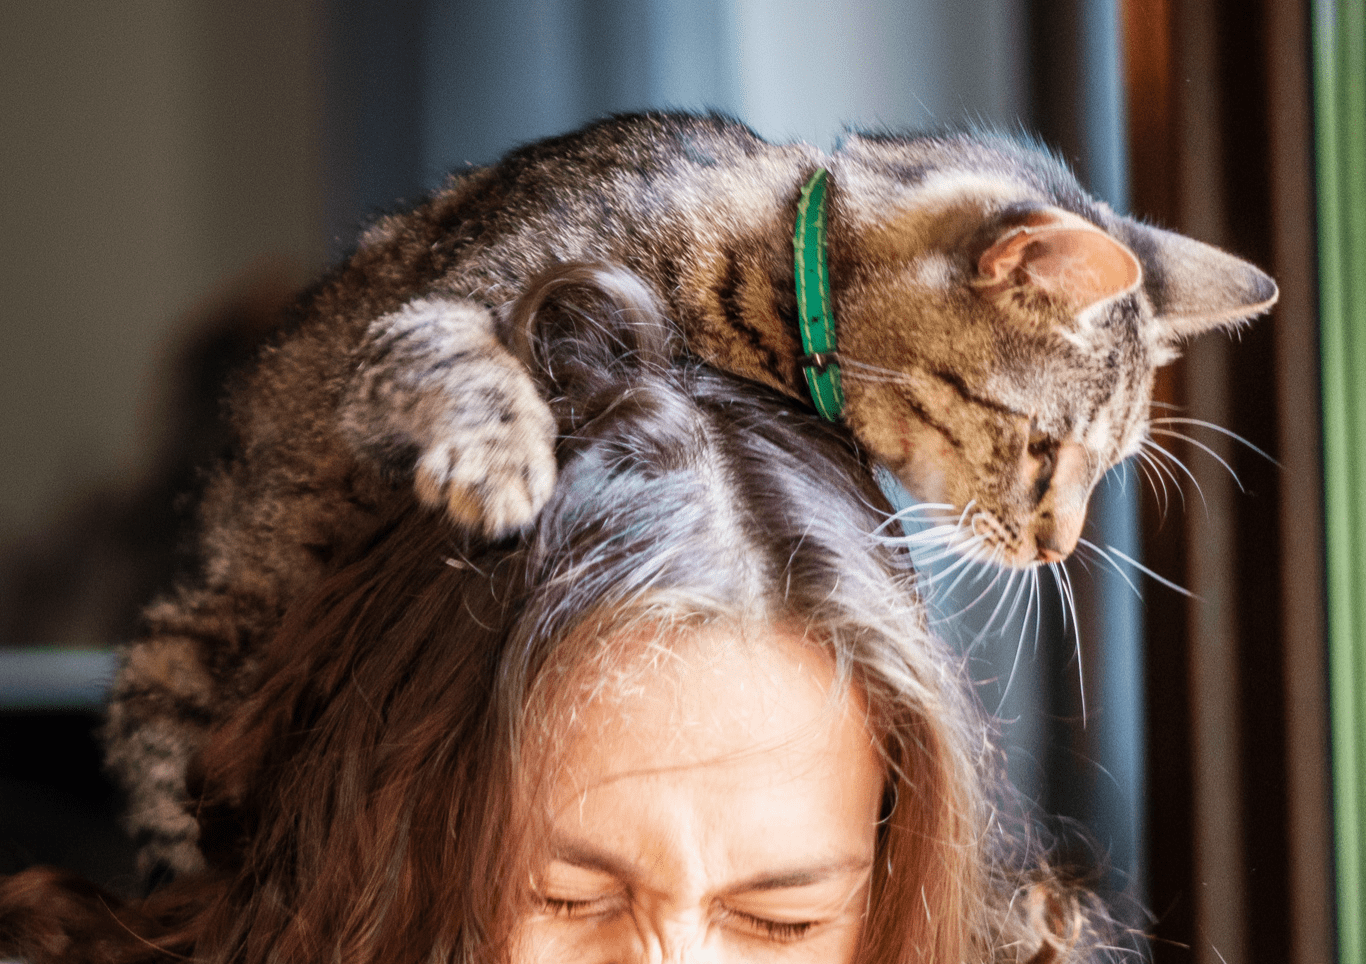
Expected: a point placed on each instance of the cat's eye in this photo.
(1044, 450)
(1042, 447)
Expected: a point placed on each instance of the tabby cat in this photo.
(998, 333)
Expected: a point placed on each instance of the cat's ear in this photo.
(1195, 287)
(1062, 255)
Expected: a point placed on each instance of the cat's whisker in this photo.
(931, 554)
(872, 379)
(1065, 583)
(961, 611)
(855, 363)
(991, 563)
(985, 551)
(915, 535)
(1062, 598)
(936, 509)
(1001, 594)
(1121, 472)
(960, 549)
(1001, 601)
(1103, 554)
(1038, 612)
(1131, 471)
(975, 565)
(1141, 462)
(1163, 469)
(1036, 588)
(920, 545)
(973, 556)
(942, 522)
(1033, 585)
(988, 559)
(849, 366)
(1152, 575)
(1152, 446)
(936, 552)
(1182, 420)
(934, 536)
(1201, 445)
(950, 532)
(947, 549)
(1029, 582)
(1081, 561)
(918, 514)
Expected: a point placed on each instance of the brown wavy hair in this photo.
(362, 804)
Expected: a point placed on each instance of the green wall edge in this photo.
(1340, 122)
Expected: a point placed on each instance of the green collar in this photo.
(815, 315)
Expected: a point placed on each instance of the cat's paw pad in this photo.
(495, 483)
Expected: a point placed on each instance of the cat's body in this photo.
(998, 340)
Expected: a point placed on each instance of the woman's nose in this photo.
(685, 939)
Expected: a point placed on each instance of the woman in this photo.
(694, 714)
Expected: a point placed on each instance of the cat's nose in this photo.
(1057, 529)
(1049, 549)
(1055, 544)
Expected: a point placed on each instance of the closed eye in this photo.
(1044, 450)
(782, 932)
(581, 909)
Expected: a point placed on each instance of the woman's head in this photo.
(412, 743)
(718, 800)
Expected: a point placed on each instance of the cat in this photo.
(998, 331)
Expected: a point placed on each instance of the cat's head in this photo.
(999, 329)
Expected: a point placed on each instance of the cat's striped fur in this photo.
(998, 327)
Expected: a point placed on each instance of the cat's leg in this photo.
(270, 524)
(166, 697)
(434, 391)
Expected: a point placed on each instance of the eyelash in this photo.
(784, 933)
(575, 909)
(780, 931)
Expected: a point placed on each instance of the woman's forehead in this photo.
(690, 696)
(726, 759)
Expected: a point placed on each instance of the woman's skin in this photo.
(720, 804)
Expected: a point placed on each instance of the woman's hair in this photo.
(362, 804)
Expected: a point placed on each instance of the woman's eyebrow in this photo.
(580, 854)
(801, 876)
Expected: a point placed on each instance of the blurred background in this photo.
(174, 169)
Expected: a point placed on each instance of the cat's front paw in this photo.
(433, 380)
(496, 484)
